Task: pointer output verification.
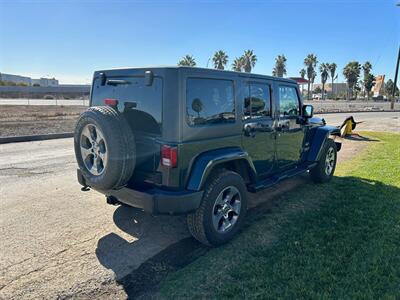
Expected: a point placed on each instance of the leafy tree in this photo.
(249, 60)
(302, 73)
(369, 82)
(324, 70)
(389, 88)
(280, 66)
(238, 64)
(220, 60)
(332, 70)
(317, 90)
(310, 62)
(187, 60)
(367, 67)
(352, 72)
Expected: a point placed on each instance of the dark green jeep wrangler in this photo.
(181, 140)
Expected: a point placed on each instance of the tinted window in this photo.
(257, 103)
(288, 101)
(147, 99)
(209, 101)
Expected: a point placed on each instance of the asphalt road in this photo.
(372, 121)
(56, 241)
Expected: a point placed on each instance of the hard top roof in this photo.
(202, 71)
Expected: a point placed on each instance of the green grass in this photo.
(337, 240)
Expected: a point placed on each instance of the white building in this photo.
(28, 80)
(45, 81)
(15, 78)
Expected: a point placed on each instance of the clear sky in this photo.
(71, 39)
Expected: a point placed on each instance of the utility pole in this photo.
(395, 80)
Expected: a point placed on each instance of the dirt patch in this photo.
(18, 120)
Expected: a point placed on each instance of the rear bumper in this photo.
(154, 201)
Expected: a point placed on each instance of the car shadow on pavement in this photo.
(149, 247)
(141, 237)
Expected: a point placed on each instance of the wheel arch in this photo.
(318, 140)
(233, 159)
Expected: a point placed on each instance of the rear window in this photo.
(131, 92)
(209, 101)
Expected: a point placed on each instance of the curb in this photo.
(30, 138)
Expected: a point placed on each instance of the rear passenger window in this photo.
(288, 101)
(257, 102)
(209, 101)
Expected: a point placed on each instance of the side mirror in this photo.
(308, 111)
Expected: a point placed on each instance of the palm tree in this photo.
(352, 72)
(367, 67)
(249, 60)
(310, 62)
(314, 74)
(369, 82)
(302, 73)
(220, 60)
(238, 64)
(187, 60)
(280, 66)
(332, 69)
(323, 69)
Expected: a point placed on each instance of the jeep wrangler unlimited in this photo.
(182, 140)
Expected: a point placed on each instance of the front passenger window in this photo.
(288, 102)
(257, 102)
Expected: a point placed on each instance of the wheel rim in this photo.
(329, 161)
(226, 209)
(93, 149)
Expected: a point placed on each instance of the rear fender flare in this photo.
(206, 162)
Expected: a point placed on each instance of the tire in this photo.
(323, 171)
(104, 148)
(203, 223)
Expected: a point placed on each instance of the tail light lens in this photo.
(110, 102)
(169, 156)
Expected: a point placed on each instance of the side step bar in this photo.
(260, 185)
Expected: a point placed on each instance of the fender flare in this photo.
(318, 140)
(206, 162)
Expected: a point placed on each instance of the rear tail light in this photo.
(110, 102)
(169, 156)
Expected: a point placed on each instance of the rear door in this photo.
(258, 125)
(290, 133)
(141, 104)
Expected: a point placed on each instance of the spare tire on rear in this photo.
(104, 148)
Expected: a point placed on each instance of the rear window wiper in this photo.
(115, 82)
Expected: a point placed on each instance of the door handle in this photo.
(249, 131)
(283, 126)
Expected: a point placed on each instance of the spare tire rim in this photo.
(93, 149)
(226, 209)
(329, 161)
